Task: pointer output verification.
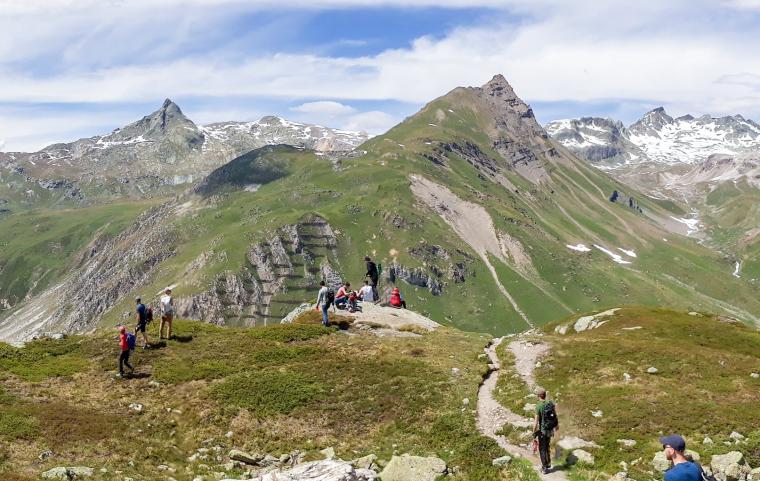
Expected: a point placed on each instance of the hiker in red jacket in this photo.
(397, 300)
(125, 349)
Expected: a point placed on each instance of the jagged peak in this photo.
(498, 85)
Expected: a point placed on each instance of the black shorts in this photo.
(141, 327)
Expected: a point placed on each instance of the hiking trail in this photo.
(491, 415)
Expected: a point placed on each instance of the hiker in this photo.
(397, 299)
(126, 343)
(683, 469)
(341, 297)
(324, 301)
(167, 313)
(373, 275)
(142, 321)
(366, 293)
(545, 425)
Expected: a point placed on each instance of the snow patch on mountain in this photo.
(656, 137)
(579, 248)
(615, 257)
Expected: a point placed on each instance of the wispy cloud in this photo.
(109, 51)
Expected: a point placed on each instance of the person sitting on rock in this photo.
(341, 297)
(545, 425)
(674, 447)
(397, 299)
(366, 294)
(352, 297)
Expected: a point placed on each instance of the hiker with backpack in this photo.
(325, 298)
(167, 314)
(144, 315)
(683, 469)
(545, 425)
(127, 342)
(374, 275)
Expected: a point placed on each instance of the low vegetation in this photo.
(273, 389)
(703, 385)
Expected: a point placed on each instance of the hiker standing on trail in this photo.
(167, 313)
(126, 343)
(545, 425)
(142, 321)
(323, 302)
(683, 469)
(373, 275)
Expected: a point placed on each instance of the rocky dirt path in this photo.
(527, 353)
(492, 415)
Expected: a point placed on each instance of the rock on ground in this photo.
(295, 313)
(68, 473)
(326, 470)
(243, 457)
(569, 443)
(628, 443)
(581, 456)
(502, 461)
(730, 466)
(413, 468)
(660, 462)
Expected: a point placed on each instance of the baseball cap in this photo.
(674, 441)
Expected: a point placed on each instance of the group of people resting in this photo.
(348, 299)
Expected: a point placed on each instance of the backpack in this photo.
(330, 297)
(149, 315)
(131, 341)
(703, 473)
(549, 420)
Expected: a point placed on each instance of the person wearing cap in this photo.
(674, 447)
(167, 313)
(142, 321)
(124, 355)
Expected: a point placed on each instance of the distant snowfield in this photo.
(579, 248)
(615, 257)
(627, 252)
(692, 225)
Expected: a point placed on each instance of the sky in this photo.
(78, 68)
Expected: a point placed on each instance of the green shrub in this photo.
(265, 393)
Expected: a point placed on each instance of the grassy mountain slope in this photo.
(703, 386)
(469, 206)
(275, 389)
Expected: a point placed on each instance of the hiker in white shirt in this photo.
(323, 301)
(167, 313)
(366, 294)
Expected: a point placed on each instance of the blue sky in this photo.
(77, 68)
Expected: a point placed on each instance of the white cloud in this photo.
(324, 107)
(559, 51)
(375, 122)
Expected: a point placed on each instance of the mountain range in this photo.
(163, 149)
(483, 220)
(709, 166)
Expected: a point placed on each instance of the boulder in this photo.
(413, 468)
(597, 414)
(707, 440)
(325, 470)
(652, 370)
(68, 473)
(245, 458)
(502, 461)
(328, 453)
(692, 455)
(736, 436)
(569, 443)
(660, 462)
(580, 456)
(295, 313)
(365, 462)
(754, 375)
(628, 443)
(730, 466)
